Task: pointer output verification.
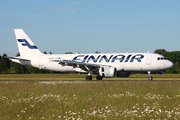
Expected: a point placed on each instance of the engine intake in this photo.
(107, 71)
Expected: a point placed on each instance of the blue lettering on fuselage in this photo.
(118, 57)
(80, 57)
(128, 57)
(137, 57)
(107, 59)
(93, 58)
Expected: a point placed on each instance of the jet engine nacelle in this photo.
(107, 71)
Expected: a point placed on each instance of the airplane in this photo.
(102, 64)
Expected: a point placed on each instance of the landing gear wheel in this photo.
(89, 78)
(99, 77)
(150, 78)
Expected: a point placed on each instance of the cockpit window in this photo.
(161, 58)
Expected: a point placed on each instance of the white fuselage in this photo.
(121, 61)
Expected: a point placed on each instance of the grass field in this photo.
(69, 77)
(70, 97)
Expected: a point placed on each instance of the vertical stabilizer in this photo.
(25, 45)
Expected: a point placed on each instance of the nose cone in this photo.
(169, 64)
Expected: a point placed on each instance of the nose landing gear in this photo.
(150, 76)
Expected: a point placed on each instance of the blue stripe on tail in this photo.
(24, 42)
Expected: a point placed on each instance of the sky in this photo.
(86, 26)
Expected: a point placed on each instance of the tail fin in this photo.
(25, 45)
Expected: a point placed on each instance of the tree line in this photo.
(7, 66)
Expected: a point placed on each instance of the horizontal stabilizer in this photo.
(18, 58)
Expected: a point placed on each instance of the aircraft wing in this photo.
(71, 63)
(84, 66)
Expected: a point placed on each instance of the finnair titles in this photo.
(111, 58)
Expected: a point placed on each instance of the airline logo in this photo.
(24, 42)
(111, 58)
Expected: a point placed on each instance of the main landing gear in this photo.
(89, 77)
(99, 77)
(150, 76)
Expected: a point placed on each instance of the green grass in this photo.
(82, 77)
(36, 97)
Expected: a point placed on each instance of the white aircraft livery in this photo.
(102, 64)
